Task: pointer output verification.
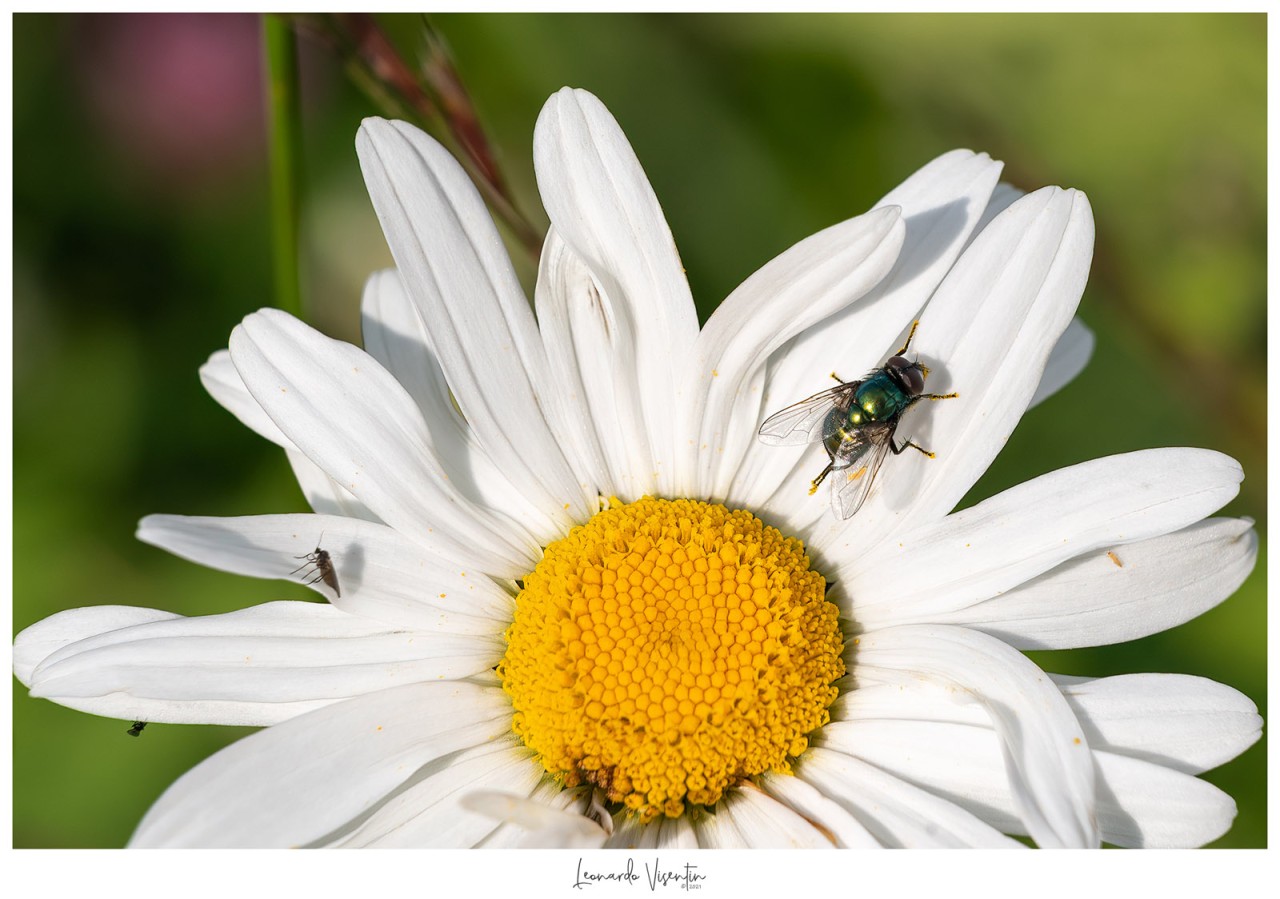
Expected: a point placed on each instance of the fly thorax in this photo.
(875, 402)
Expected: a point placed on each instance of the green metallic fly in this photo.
(856, 422)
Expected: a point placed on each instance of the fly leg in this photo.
(814, 484)
(834, 465)
(307, 564)
(898, 450)
(915, 324)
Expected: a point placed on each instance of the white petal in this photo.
(1190, 724)
(894, 812)
(433, 811)
(1004, 196)
(324, 495)
(591, 352)
(394, 335)
(42, 639)
(1067, 359)
(1130, 592)
(842, 828)
(1010, 538)
(602, 205)
(961, 763)
(547, 793)
(563, 289)
(1139, 803)
(630, 833)
(940, 205)
(596, 807)
(1143, 805)
(811, 281)
(676, 833)
(354, 420)
(1182, 722)
(927, 701)
(1047, 759)
(224, 384)
(664, 833)
(943, 202)
(987, 333)
(381, 574)
(256, 666)
(747, 818)
(292, 783)
(547, 828)
(451, 260)
(719, 831)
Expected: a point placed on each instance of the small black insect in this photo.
(324, 570)
(136, 730)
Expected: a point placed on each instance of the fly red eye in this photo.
(911, 375)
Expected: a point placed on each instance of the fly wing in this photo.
(802, 421)
(851, 485)
(329, 575)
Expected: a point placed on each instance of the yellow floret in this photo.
(668, 650)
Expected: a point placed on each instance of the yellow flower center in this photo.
(670, 649)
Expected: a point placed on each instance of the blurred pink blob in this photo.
(179, 95)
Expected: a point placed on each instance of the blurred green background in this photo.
(141, 237)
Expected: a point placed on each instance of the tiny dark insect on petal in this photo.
(136, 730)
(323, 570)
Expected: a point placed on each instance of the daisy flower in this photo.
(572, 600)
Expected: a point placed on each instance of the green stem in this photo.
(285, 149)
